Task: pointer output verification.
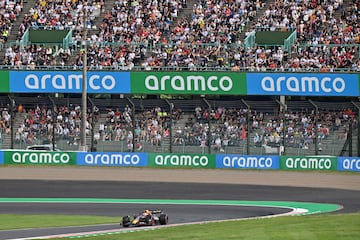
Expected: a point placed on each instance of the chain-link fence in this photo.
(240, 126)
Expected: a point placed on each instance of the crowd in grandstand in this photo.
(224, 128)
(61, 15)
(154, 34)
(37, 125)
(219, 128)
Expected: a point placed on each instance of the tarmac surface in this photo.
(120, 183)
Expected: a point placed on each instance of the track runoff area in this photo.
(295, 208)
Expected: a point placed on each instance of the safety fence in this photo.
(193, 126)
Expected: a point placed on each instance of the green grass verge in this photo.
(313, 227)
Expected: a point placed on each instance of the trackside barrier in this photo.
(121, 159)
(209, 161)
(182, 160)
(348, 164)
(247, 162)
(18, 157)
(308, 163)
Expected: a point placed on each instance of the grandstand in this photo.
(180, 35)
(188, 35)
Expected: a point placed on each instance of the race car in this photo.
(146, 218)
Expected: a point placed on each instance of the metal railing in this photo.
(250, 40)
(67, 41)
(171, 68)
(289, 42)
(24, 39)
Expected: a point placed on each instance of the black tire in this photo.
(163, 219)
(126, 221)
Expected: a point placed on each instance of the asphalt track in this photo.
(349, 199)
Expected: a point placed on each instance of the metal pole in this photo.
(12, 118)
(83, 146)
(170, 126)
(248, 126)
(350, 136)
(316, 127)
(358, 134)
(283, 109)
(170, 115)
(358, 127)
(54, 122)
(92, 144)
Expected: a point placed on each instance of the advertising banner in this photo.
(181, 160)
(209, 83)
(1, 157)
(308, 163)
(4, 79)
(112, 159)
(39, 158)
(247, 162)
(348, 164)
(302, 84)
(68, 82)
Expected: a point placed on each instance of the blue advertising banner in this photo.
(303, 84)
(348, 164)
(247, 162)
(1, 157)
(68, 82)
(120, 159)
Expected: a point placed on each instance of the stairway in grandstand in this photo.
(25, 11)
(184, 13)
(15, 28)
(259, 13)
(188, 11)
(345, 6)
(98, 21)
(6, 138)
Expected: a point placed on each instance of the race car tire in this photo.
(163, 219)
(148, 220)
(126, 221)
